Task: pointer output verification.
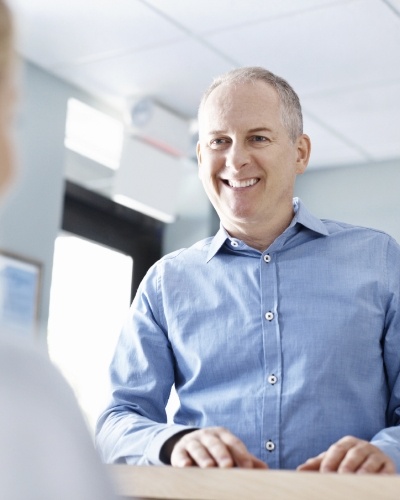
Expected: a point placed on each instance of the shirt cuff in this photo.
(154, 449)
(388, 441)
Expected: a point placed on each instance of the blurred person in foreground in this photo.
(46, 452)
(281, 333)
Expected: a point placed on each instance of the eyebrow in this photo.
(259, 129)
(251, 131)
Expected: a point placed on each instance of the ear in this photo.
(303, 146)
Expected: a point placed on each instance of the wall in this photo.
(31, 213)
(368, 194)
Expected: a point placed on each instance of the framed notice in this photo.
(19, 295)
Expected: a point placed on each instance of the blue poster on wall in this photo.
(19, 289)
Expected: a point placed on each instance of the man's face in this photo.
(247, 162)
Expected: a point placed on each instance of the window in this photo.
(90, 297)
(100, 258)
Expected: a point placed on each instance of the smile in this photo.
(242, 184)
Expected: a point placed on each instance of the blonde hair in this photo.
(292, 117)
(6, 40)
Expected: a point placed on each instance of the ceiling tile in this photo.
(327, 149)
(344, 45)
(53, 33)
(395, 5)
(176, 74)
(211, 15)
(367, 117)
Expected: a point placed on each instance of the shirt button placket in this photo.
(271, 358)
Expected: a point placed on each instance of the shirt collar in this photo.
(306, 218)
(302, 216)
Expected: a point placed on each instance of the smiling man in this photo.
(281, 333)
(248, 161)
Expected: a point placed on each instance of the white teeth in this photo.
(242, 184)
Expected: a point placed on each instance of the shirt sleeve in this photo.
(388, 439)
(134, 426)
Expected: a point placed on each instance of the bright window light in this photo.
(93, 134)
(90, 298)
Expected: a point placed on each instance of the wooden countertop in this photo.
(135, 482)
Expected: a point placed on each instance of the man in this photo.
(281, 333)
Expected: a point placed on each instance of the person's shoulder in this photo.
(43, 429)
(367, 239)
(335, 226)
(27, 371)
(196, 250)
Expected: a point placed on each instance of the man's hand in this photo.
(213, 447)
(351, 455)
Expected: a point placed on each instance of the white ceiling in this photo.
(342, 57)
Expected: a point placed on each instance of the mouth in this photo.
(241, 184)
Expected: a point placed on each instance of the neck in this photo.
(259, 236)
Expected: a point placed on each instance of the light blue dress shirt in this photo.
(291, 349)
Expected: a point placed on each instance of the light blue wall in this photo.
(368, 194)
(30, 215)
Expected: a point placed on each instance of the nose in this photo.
(237, 156)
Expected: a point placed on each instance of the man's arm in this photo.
(133, 428)
(382, 453)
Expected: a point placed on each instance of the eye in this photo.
(219, 142)
(259, 138)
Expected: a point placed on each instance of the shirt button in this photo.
(269, 316)
(234, 243)
(272, 379)
(270, 446)
(267, 258)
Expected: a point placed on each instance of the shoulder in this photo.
(174, 264)
(42, 421)
(28, 375)
(361, 238)
(196, 250)
(335, 226)
(184, 258)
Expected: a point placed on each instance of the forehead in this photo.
(234, 103)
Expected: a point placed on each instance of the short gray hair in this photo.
(292, 117)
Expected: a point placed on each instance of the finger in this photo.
(335, 454)
(219, 450)
(312, 464)
(258, 464)
(377, 463)
(189, 451)
(209, 452)
(181, 458)
(362, 458)
(239, 453)
(389, 467)
(205, 448)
